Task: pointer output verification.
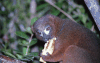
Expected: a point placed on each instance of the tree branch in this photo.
(48, 1)
(94, 8)
(5, 59)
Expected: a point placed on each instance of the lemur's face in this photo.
(42, 30)
(43, 33)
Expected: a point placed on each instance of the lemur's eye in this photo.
(38, 32)
(48, 28)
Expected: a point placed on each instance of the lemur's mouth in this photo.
(48, 48)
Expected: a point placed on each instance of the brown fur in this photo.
(74, 44)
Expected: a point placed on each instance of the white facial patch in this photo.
(46, 32)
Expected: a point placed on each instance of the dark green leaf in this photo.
(89, 24)
(59, 4)
(22, 35)
(20, 43)
(19, 56)
(34, 54)
(82, 9)
(33, 20)
(18, 52)
(33, 42)
(30, 56)
(9, 54)
(55, 12)
(41, 6)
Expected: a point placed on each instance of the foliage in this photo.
(15, 22)
(22, 53)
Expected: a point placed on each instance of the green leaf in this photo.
(41, 6)
(59, 4)
(18, 52)
(22, 35)
(24, 42)
(84, 18)
(25, 59)
(30, 57)
(9, 54)
(24, 50)
(20, 43)
(19, 56)
(89, 24)
(55, 12)
(34, 54)
(33, 42)
(82, 9)
(28, 29)
(33, 20)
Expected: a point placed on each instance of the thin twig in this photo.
(29, 44)
(92, 29)
(60, 10)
